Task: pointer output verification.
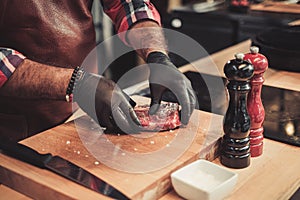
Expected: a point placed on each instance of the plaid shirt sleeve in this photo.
(9, 60)
(124, 13)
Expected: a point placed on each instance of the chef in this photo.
(43, 45)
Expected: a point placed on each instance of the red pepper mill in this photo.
(235, 147)
(255, 107)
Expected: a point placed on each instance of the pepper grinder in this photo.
(255, 107)
(235, 146)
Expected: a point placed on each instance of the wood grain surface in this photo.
(8, 193)
(79, 143)
(281, 7)
(214, 65)
(274, 175)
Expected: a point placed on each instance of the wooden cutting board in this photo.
(138, 165)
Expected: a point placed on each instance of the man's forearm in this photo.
(33, 80)
(146, 37)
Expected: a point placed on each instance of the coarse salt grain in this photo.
(96, 163)
(68, 142)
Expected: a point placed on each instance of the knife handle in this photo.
(24, 153)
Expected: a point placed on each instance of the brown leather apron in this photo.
(54, 32)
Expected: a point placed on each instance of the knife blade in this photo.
(60, 166)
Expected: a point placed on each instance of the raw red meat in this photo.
(166, 118)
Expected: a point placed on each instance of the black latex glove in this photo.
(106, 103)
(165, 76)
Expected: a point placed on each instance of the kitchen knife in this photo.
(60, 166)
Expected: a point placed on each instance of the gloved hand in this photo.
(106, 103)
(165, 76)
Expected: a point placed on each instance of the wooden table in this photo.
(274, 175)
(281, 7)
(67, 141)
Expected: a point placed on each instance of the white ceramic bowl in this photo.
(203, 180)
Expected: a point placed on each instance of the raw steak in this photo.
(166, 118)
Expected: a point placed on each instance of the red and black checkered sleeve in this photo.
(124, 13)
(9, 60)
